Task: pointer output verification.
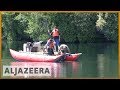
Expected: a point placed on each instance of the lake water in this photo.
(98, 60)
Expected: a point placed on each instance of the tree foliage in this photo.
(111, 27)
(73, 26)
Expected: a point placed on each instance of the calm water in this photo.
(98, 60)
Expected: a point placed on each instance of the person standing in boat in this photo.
(50, 46)
(56, 36)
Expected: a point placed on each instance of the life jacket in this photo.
(55, 32)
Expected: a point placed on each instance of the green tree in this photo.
(73, 26)
(111, 28)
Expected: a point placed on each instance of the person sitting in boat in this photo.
(64, 51)
(50, 46)
(45, 47)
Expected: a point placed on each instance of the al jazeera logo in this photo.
(29, 70)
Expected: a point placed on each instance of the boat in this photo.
(39, 57)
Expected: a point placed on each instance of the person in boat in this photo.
(64, 51)
(49, 47)
(56, 36)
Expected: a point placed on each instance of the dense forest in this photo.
(74, 27)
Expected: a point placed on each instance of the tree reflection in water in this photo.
(58, 70)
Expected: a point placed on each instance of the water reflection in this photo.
(57, 70)
(105, 66)
(101, 65)
(98, 60)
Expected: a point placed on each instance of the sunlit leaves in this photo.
(101, 22)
